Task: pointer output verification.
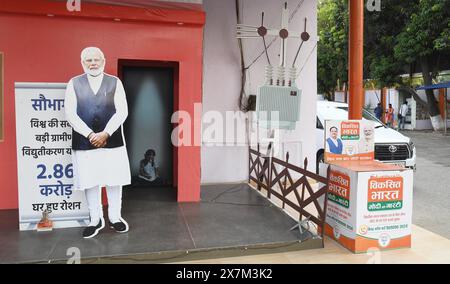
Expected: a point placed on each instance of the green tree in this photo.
(403, 34)
(380, 32)
(425, 39)
(333, 45)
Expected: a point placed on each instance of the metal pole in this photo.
(356, 58)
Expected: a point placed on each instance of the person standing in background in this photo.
(390, 116)
(402, 113)
(378, 111)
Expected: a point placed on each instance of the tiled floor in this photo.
(228, 216)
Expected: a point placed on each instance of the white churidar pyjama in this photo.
(114, 194)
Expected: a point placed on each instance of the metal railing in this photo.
(309, 203)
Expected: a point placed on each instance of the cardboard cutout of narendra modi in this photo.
(96, 108)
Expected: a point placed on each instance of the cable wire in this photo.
(243, 105)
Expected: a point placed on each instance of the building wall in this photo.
(222, 79)
(40, 48)
(46, 49)
(372, 97)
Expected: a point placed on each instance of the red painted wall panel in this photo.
(47, 49)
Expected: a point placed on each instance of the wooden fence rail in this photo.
(264, 174)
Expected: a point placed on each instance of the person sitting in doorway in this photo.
(149, 169)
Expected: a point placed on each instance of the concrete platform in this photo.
(231, 220)
(427, 248)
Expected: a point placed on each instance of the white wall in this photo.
(339, 97)
(426, 124)
(371, 99)
(221, 81)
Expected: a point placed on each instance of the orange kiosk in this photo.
(369, 202)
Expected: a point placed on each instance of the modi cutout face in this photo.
(93, 61)
(368, 133)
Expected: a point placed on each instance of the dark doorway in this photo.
(150, 96)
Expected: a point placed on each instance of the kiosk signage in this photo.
(370, 203)
(349, 141)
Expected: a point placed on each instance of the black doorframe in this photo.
(175, 66)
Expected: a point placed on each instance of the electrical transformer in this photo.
(278, 105)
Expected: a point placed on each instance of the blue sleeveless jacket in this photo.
(95, 110)
(333, 148)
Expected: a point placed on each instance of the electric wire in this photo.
(181, 255)
(300, 47)
(243, 105)
(293, 14)
(264, 41)
(307, 59)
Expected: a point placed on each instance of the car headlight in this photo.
(412, 147)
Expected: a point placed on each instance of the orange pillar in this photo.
(442, 102)
(384, 104)
(356, 59)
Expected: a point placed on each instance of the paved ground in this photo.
(432, 182)
(428, 248)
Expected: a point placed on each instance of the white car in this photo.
(390, 146)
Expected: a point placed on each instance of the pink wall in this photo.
(39, 48)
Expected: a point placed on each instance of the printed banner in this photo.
(341, 208)
(339, 189)
(370, 209)
(384, 210)
(351, 140)
(44, 161)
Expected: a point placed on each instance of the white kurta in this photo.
(99, 167)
